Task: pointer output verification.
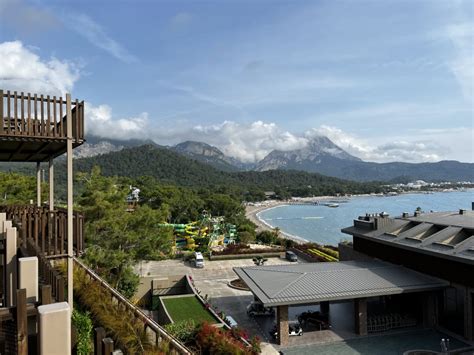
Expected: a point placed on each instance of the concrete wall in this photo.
(158, 285)
(347, 253)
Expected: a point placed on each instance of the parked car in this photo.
(257, 309)
(198, 260)
(231, 322)
(291, 256)
(294, 329)
(318, 319)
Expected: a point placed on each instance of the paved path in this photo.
(212, 281)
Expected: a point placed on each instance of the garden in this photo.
(186, 307)
(318, 253)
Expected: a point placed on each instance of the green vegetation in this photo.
(126, 330)
(117, 239)
(17, 188)
(319, 252)
(172, 169)
(184, 331)
(83, 324)
(183, 308)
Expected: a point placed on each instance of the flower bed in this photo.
(318, 253)
(242, 249)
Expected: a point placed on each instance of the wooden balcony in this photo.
(46, 229)
(34, 127)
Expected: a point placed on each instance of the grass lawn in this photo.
(183, 308)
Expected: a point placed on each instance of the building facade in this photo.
(439, 244)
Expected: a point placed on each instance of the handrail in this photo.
(48, 229)
(150, 323)
(39, 116)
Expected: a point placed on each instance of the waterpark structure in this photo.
(208, 232)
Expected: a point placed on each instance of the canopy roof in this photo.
(293, 284)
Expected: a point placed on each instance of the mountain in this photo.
(307, 159)
(173, 168)
(208, 154)
(322, 156)
(97, 145)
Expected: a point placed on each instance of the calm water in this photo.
(323, 224)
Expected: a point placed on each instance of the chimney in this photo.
(417, 213)
(405, 215)
(462, 211)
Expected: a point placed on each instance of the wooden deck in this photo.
(33, 127)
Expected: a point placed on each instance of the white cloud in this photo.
(416, 145)
(23, 70)
(84, 26)
(100, 122)
(248, 142)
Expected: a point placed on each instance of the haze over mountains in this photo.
(321, 155)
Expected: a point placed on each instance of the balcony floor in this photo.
(24, 148)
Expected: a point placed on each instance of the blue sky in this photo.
(385, 80)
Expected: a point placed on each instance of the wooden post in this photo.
(69, 203)
(38, 184)
(51, 184)
(60, 296)
(99, 335)
(46, 294)
(21, 319)
(1, 111)
(11, 270)
(108, 346)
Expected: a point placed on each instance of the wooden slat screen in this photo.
(38, 116)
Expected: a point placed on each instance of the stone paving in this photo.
(212, 280)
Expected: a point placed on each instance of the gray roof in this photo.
(293, 284)
(444, 234)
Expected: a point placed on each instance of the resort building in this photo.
(438, 244)
(415, 272)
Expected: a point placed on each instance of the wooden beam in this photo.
(43, 147)
(70, 230)
(21, 318)
(17, 150)
(46, 297)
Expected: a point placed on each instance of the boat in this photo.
(333, 205)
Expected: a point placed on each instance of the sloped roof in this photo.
(444, 234)
(293, 284)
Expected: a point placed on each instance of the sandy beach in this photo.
(252, 211)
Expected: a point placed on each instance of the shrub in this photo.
(212, 340)
(184, 330)
(126, 330)
(83, 324)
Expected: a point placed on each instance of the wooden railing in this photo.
(158, 333)
(47, 229)
(33, 116)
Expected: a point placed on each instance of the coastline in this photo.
(252, 211)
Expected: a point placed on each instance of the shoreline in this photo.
(252, 211)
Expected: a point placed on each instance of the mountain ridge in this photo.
(321, 156)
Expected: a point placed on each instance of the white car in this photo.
(293, 330)
(231, 322)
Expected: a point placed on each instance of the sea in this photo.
(322, 224)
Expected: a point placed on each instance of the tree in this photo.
(246, 237)
(117, 239)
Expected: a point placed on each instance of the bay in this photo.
(322, 224)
